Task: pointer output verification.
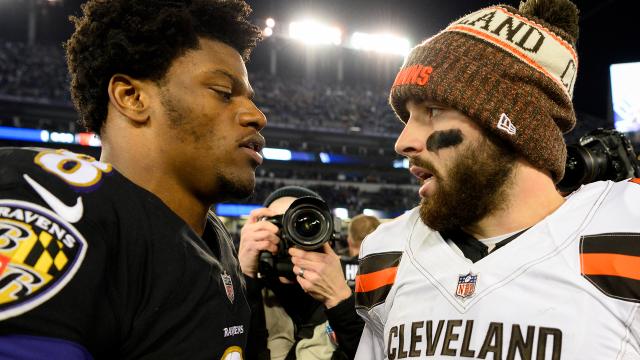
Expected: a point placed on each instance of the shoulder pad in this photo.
(391, 235)
(610, 253)
(55, 167)
(380, 255)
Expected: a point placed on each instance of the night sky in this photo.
(608, 29)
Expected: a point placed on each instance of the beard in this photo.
(477, 185)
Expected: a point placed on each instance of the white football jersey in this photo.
(567, 288)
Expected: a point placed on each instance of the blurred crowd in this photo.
(33, 72)
(297, 103)
(39, 72)
(312, 172)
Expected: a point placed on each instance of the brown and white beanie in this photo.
(511, 70)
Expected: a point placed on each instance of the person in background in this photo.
(359, 227)
(120, 258)
(495, 263)
(312, 317)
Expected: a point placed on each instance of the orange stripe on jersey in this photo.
(611, 264)
(635, 180)
(375, 280)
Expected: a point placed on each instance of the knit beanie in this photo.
(510, 70)
(292, 191)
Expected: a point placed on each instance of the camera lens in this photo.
(307, 224)
(584, 165)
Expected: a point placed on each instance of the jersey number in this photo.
(76, 169)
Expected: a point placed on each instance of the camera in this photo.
(307, 224)
(602, 154)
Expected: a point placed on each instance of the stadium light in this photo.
(276, 154)
(267, 31)
(270, 22)
(383, 43)
(313, 32)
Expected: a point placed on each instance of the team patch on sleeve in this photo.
(611, 262)
(39, 254)
(376, 275)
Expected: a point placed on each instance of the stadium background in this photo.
(329, 125)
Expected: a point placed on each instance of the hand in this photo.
(256, 236)
(323, 277)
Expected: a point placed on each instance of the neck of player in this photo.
(144, 166)
(531, 197)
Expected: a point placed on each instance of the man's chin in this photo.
(436, 215)
(238, 189)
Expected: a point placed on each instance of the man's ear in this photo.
(130, 97)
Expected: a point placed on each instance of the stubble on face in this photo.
(190, 134)
(476, 185)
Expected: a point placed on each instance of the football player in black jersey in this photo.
(119, 258)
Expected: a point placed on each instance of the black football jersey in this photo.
(93, 266)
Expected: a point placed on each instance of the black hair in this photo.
(141, 38)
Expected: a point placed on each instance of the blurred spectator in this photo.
(359, 227)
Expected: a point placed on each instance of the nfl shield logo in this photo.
(228, 286)
(466, 285)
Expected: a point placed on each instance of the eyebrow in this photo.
(235, 81)
(427, 102)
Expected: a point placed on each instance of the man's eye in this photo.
(226, 96)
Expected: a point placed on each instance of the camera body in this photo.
(603, 154)
(307, 224)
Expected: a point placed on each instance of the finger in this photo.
(313, 266)
(260, 235)
(311, 277)
(265, 245)
(307, 255)
(266, 225)
(298, 270)
(328, 249)
(257, 214)
(304, 283)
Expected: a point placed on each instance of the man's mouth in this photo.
(427, 179)
(421, 173)
(255, 144)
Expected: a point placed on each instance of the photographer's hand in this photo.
(256, 236)
(323, 277)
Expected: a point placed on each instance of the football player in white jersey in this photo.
(495, 263)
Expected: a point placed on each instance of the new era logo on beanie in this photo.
(504, 123)
(501, 60)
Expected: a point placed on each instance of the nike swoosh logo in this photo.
(69, 213)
